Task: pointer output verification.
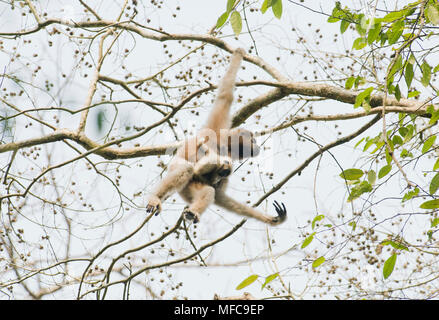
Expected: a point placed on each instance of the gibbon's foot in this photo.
(281, 213)
(190, 216)
(154, 205)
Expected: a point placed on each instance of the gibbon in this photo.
(200, 168)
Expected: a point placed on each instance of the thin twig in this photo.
(315, 155)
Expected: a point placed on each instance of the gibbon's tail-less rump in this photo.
(200, 168)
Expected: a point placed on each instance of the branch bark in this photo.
(282, 90)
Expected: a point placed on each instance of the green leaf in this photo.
(395, 244)
(436, 165)
(403, 131)
(392, 16)
(426, 74)
(395, 32)
(359, 189)
(307, 241)
(379, 145)
(408, 74)
(409, 195)
(100, 120)
(373, 33)
(222, 19)
(412, 94)
(349, 83)
(388, 156)
(332, 19)
(248, 281)
(397, 15)
(368, 144)
(362, 96)
(316, 219)
(230, 4)
(389, 265)
(344, 25)
(410, 132)
(411, 59)
(318, 262)
(434, 115)
(397, 92)
(434, 222)
(360, 19)
(428, 144)
(383, 38)
(398, 245)
(405, 154)
(397, 140)
(352, 174)
(277, 8)
(434, 184)
(265, 5)
(353, 224)
(359, 43)
(358, 143)
(389, 84)
(269, 279)
(371, 177)
(432, 13)
(236, 21)
(366, 105)
(430, 204)
(359, 81)
(397, 66)
(384, 171)
(337, 13)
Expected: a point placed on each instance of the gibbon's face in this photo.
(242, 144)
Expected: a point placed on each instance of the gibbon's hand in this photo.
(281, 213)
(240, 51)
(154, 205)
(190, 216)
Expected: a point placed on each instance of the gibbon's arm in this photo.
(223, 200)
(219, 116)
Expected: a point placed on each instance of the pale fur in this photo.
(201, 166)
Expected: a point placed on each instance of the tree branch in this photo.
(316, 154)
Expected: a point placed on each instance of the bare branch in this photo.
(315, 155)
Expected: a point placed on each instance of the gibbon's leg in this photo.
(199, 196)
(219, 116)
(222, 200)
(180, 172)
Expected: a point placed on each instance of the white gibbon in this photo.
(200, 168)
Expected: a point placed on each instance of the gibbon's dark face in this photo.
(242, 144)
